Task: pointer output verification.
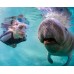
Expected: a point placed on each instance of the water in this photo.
(30, 52)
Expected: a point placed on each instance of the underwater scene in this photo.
(36, 36)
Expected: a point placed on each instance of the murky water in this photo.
(30, 52)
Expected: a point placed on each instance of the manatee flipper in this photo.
(49, 58)
(68, 61)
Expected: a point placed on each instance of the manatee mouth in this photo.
(49, 41)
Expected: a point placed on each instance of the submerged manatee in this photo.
(56, 37)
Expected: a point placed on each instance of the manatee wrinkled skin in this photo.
(56, 38)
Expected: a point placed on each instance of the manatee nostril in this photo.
(66, 29)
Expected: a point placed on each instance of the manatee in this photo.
(56, 38)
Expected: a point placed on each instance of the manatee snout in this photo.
(50, 32)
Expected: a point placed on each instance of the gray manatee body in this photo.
(56, 38)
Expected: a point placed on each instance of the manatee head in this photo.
(52, 34)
